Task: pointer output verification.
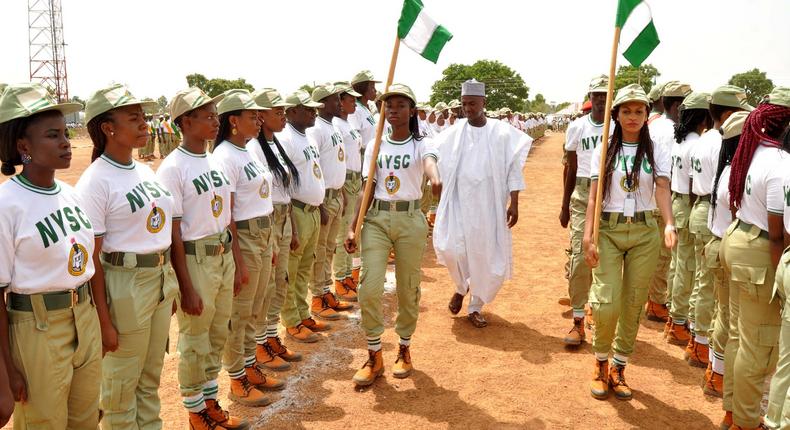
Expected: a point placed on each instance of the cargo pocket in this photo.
(119, 382)
(748, 278)
(123, 309)
(193, 351)
(711, 255)
(600, 293)
(768, 335)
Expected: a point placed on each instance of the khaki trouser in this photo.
(406, 232)
(658, 286)
(579, 274)
(343, 262)
(278, 277)
(701, 303)
(619, 283)
(325, 246)
(166, 147)
(201, 338)
(721, 287)
(140, 301)
(755, 319)
(251, 304)
(148, 149)
(683, 260)
(778, 414)
(58, 353)
(300, 266)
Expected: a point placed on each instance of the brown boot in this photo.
(726, 422)
(588, 316)
(223, 418)
(314, 325)
(300, 333)
(355, 275)
(759, 427)
(243, 392)
(278, 348)
(320, 309)
(372, 369)
(202, 421)
(575, 337)
(689, 349)
(714, 383)
(656, 311)
(403, 367)
(618, 384)
(261, 381)
(336, 304)
(699, 355)
(678, 334)
(667, 327)
(346, 290)
(268, 359)
(599, 386)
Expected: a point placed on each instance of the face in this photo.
(273, 120)
(474, 107)
(247, 124)
(598, 101)
(46, 141)
(128, 127)
(432, 117)
(301, 116)
(202, 123)
(348, 104)
(398, 111)
(332, 105)
(422, 114)
(632, 116)
(370, 93)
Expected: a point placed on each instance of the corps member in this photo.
(363, 121)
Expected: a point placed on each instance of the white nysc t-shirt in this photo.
(399, 168)
(250, 181)
(305, 156)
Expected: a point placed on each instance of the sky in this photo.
(556, 46)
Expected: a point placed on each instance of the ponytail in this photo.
(96, 134)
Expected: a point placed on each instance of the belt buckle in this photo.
(221, 249)
(629, 220)
(389, 205)
(161, 259)
(75, 298)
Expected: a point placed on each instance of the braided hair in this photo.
(10, 133)
(728, 148)
(291, 181)
(762, 127)
(690, 120)
(225, 127)
(643, 150)
(96, 134)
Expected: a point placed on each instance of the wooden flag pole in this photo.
(607, 118)
(376, 145)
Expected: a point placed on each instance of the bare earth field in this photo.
(514, 374)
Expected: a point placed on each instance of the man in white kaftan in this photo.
(480, 162)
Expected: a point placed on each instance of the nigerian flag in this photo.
(638, 32)
(419, 32)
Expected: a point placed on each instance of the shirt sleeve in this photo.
(366, 162)
(595, 163)
(775, 197)
(572, 138)
(94, 197)
(662, 156)
(428, 149)
(228, 167)
(7, 247)
(169, 178)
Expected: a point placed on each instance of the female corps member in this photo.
(134, 284)
(635, 171)
(270, 351)
(251, 226)
(750, 251)
(49, 330)
(200, 256)
(394, 221)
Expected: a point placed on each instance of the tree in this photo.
(162, 101)
(76, 99)
(504, 87)
(216, 86)
(755, 83)
(537, 105)
(307, 87)
(643, 75)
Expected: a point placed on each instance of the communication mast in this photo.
(46, 47)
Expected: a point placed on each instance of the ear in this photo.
(23, 146)
(107, 128)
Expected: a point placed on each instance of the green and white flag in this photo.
(638, 34)
(419, 32)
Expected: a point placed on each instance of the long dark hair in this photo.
(644, 150)
(727, 152)
(225, 126)
(689, 120)
(96, 134)
(278, 170)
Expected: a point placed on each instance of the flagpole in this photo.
(607, 118)
(376, 145)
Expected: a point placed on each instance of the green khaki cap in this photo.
(399, 90)
(323, 91)
(24, 100)
(676, 89)
(111, 98)
(424, 106)
(599, 84)
(270, 98)
(734, 124)
(630, 93)
(505, 111)
(780, 96)
(696, 101)
(454, 104)
(440, 106)
(190, 99)
(346, 88)
(301, 97)
(2, 88)
(363, 76)
(731, 96)
(655, 92)
(237, 99)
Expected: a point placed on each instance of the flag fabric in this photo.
(639, 34)
(421, 33)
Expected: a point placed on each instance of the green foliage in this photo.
(561, 106)
(539, 104)
(755, 83)
(644, 75)
(307, 87)
(216, 86)
(75, 99)
(162, 102)
(504, 87)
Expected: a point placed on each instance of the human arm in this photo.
(191, 303)
(590, 249)
(431, 169)
(350, 243)
(294, 231)
(569, 182)
(241, 276)
(109, 335)
(664, 203)
(775, 237)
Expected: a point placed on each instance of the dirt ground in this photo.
(514, 374)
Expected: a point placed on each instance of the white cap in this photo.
(473, 88)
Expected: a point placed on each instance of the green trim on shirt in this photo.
(191, 154)
(117, 164)
(23, 182)
(399, 142)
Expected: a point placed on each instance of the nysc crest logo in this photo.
(625, 187)
(216, 206)
(341, 156)
(78, 259)
(264, 190)
(316, 170)
(392, 184)
(156, 219)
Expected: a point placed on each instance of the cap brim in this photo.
(312, 104)
(599, 90)
(64, 108)
(283, 105)
(351, 93)
(387, 95)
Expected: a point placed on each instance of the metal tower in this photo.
(46, 47)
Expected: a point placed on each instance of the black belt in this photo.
(303, 206)
(352, 175)
(399, 206)
(705, 198)
(583, 181)
(262, 221)
(745, 226)
(622, 219)
(143, 260)
(212, 250)
(52, 301)
(681, 195)
(331, 194)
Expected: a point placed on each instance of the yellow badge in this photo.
(156, 219)
(341, 156)
(216, 206)
(624, 187)
(316, 170)
(264, 191)
(392, 183)
(78, 259)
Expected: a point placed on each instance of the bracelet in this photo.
(671, 227)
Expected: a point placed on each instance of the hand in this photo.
(294, 242)
(324, 215)
(590, 254)
(565, 217)
(670, 236)
(274, 259)
(351, 243)
(240, 278)
(109, 338)
(436, 188)
(191, 303)
(6, 405)
(512, 216)
(17, 383)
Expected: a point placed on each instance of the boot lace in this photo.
(620, 381)
(278, 348)
(206, 419)
(403, 354)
